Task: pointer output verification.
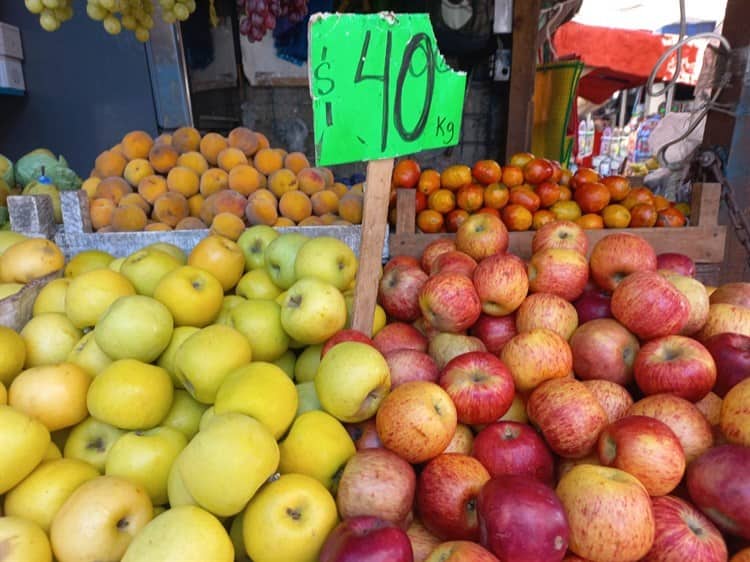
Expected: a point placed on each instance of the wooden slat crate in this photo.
(16, 310)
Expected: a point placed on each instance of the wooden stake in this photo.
(374, 226)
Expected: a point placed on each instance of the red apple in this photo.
(735, 414)
(604, 349)
(647, 449)
(462, 442)
(507, 447)
(616, 256)
(399, 292)
(411, 365)
(731, 353)
(449, 302)
(675, 364)
(364, 434)
(522, 519)
(401, 261)
(725, 318)
(422, 541)
(568, 415)
(366, 539)
(558, 271)
(718, 484)
(677, 263)
(609, 513)
(434, 249)
(342, 336)
(683, 533)
(710, 407)
(593, 304)
(480, 386)
(447, 492)
(446, 346)
(649, 305)
(560, 234)
(537, 170)
(536, 356)
(502, 284)
(460, 551)
(682, 417)
(494, 331)
(482, 235)
(697, 297)
(453, 262)
(424, 328)
(378, 483)
(615, 399)
(737, 293)
(545, 310)
(399, 335)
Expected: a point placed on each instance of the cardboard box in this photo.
(11, 76)
(10, 41)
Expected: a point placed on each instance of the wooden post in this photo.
(374, 225)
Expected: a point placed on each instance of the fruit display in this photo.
(187, 181)
(217, 405)
(528, 193)
(258, 17)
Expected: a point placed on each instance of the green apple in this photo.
(23, 541)
(176, 490)
(261, 390)
(23, 442)
(193, 296)
(313, 311)
(328, 259)
(317, 445)
(116, 264)
(145, 457)
(289, 519)
(181, 534)
(227, 462)
(257, 284)
(49, 339)
(307, 399)
(185, 414)
(86, 261)
(307, 363)
(238, 541)
(207, 416)
(52, 297)
(135, 327)
(145, 268)
(130, 394)
(88, 355)
(378, 318)
(99, 519)
(260, 322)
(286, 362)
(205, 358)
(280, 256)
(90, 294)
(41, 494)
(91, 441)
(227, 306)
(166, 359)
(352, 380)
(170, 249)
(254, 242)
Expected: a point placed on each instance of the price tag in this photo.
(380, 87)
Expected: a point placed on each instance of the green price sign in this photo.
(380, 87)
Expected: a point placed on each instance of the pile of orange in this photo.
(528, 193)
(187, 181)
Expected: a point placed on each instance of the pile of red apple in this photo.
(568, 408)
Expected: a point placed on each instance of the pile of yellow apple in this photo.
(165, 379)
(24, 259)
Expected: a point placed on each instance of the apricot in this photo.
(282, 181)
(311, 221)
(170, 208)
(267, 160)
(137, 200)
(226, 201)
(113, 188)
(350, 208)
(110, 163)
(105, 229)
(186, 139)
(151, 187)
(231, 157)
(261, 208)
(262, 141)
(118, 149)
(211, 145)
(245, 179)
(329, 218)
(215, 179)
(183, 180)
(358, 188)
(311, 180)
(228, 225)
(283, 221)
(195, 204)
(128, 219)
(163, 157)
(244, 139)
(101, 211)
(339, 189)
(190, 223)
(324, 202)
(328, 175)
(164, 138)
(193, 160)
(89, 186)
(156, 226)
(295, 205)
(296, 161)
(136, 144)
(136, 170)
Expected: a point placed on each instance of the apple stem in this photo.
(294, 301)
(122, 524)
(293, 513)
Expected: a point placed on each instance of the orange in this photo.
(590, 221)
(454, 219)
(517, 217)
(430, 221)
(470, 197)
(487, 171)
(524, 196)
(592, 197)
(616, 216)
(565, 193)
(496, 195)
(566, 210)
(406, 173)
(642, 215)
(442, 201)
(661, 203)
(429, 181)
(637, 196)
(456, 176)
(670, 217)
(542, 217)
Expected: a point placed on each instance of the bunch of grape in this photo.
(51, 12)
(176, 10)
(259, 16)
(134, 15)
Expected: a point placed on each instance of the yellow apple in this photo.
(280, 255)
(227, 306)
(23, 442)
(52, 453)
(328, 259)
(145, 457)
(166, 359)
(99, 519)
(254, 242)
(88, 355)
(116, 264)
(145, 268)
(317, 445)
(43, 492)
(221, 257)
(170, 249)
(207, 416)
(23, 541)
(52, 297)
(90, 441)
(193, 296)
(225, 463)
(259, 320)
(130, 394)
(378, 319)
(307, 363)
(257, 284)
(286, 363)
(8, 238)
(289, 519)
(307, 398)
(12, 354)
(10, 289)
(30, 259)
(313, 311)
(88, 260)
(260, 390)
(90, 295)
(49, 338)
(205, 359)
(238, 541)
(177, 492)
(3, 395)
(54, 394)
(182, 534)
(185, 414)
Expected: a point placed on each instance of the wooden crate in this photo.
(704, 241)
(15, 310)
